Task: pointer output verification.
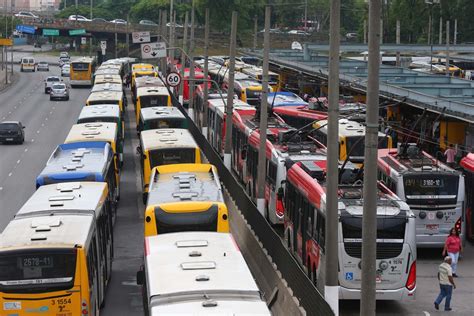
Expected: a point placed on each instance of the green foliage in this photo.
(97, 12)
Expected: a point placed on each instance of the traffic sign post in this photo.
(103, 46)
(141, 37)
(83, 40)
(173, 79)
(26, 29)
(153, 50)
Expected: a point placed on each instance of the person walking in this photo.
(452, 248)
(446, 284)
(450, 154)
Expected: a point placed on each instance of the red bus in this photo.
(468, 165)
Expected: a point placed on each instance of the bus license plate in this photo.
(378, 279)
(432, 226)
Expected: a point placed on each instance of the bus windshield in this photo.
(392, 228)
(356, 145)
(172, 156)
(37, 271)
(108, 119)
(431, 184)
(153, 100)
(80, 66)
(164, 123)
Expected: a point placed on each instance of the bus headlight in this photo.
(422, 215)
(383, 265)
(439, 215)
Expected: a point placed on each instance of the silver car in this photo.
(59, 91)
(42, 66)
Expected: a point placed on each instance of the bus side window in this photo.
(92, 262)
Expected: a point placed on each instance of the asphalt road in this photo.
(47, 124)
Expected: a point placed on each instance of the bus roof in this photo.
(161, 112)
(346, 128)
(285, 99)
(395, 164)
(107, 86)
(142, 66)
(100, 110)
(105, 95)
(83, 59)
(107, 71)
(148, 82)
(90, 132)
(144, 91)
(98, 79)
(167, 138)
(184, 183)
(76, 162)
(171, 275)
(47, 231)
(65, 198)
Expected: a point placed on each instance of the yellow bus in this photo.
(142, 70)
(55, 256)
(351, 139)
(107, 97)
(99, 132)
(145, 82)
(163, 147)
(257, 74)
(82, 71)
(246, 88)
(185, 197)
(150, 97)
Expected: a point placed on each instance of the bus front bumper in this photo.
(402, 294)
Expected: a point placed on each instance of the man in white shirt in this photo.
(446, 284)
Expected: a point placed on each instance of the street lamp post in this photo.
(430, 30)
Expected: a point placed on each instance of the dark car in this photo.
(12, 132)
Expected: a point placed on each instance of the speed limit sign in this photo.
(173, 79)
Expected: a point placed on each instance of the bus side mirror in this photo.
(139, 150)
(141, 277)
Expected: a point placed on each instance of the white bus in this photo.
(197, 273)
(305, 234)
(434, 192)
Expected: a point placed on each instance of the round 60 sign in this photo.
(173, 79)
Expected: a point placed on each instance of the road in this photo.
(47, 124)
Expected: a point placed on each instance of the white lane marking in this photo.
(1, 188)
(3, 118)
(46, 119)
(50, 112)
(33, 140)
(26, 149)
(10, 174)
(37, 132)
(18, 161)
(10, 112)
(426, 313)
(42, 124)
(54, 108)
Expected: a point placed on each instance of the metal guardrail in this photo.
(307, 294)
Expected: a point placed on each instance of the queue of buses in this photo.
(56, 255)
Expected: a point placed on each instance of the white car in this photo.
(66, 70)
(176, 25)
(26, 14)
(298, 32)
(78, 18)
(118, 21)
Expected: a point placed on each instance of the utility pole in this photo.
(183, 56)
(206, 72)
(230, 93)
(447, 49)
(164, 17)
(90, 39)
(440, 31)
(365, 31)
(429, 25)
(455, 40)
(369, 220)
(172, 22)
(127, 36)
(331, 288)
(116, 40)
(191, 67)
(262, 163)
(255, 32)
(398, 42)
(381, 31)
(306, 15)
